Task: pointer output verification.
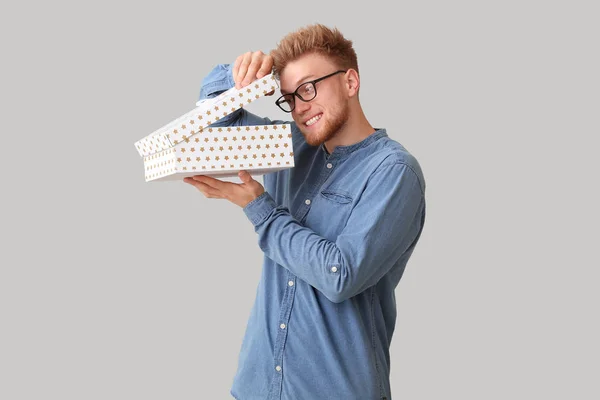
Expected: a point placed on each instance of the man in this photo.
(337, 229)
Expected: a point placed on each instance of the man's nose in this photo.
(301, 106)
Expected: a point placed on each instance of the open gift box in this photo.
(189, 146)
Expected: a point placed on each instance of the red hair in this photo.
(316, 38)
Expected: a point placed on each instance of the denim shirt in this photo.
(337, 231)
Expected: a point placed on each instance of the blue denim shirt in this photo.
(337, 232)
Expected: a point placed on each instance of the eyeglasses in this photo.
(305, 92)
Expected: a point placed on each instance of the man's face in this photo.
(322, 117)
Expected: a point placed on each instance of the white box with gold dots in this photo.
(222, 152)
(189, 146)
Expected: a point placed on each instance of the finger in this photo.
(253, 68)
(206, 190)
(216, 184)
(245, 176)
(243, 69)
(266, 67)
(237, 74)
(248, 181)
(236, 68)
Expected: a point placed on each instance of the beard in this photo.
(328, 127)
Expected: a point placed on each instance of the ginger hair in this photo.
(316, 38)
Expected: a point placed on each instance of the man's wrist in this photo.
(259, 208)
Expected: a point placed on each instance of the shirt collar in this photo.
(343, 151)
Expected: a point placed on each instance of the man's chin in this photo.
(315, 138)
(311, 141)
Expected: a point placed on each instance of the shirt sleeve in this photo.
(219, 80)
(385, 224)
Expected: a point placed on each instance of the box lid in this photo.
(206, 113)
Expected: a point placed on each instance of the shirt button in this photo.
(329, 165)
(333, 269)
(307, 201)
(282, 326)
(278, 368)
(291, 283)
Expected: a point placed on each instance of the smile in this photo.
(313, 120)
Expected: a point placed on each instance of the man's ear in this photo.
(352, 82)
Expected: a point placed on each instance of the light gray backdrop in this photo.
(113, 288)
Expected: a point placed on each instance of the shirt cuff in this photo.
(217, 81)
(260, 208)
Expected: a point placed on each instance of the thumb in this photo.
(245, 176)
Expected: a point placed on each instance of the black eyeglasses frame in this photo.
(295, 94)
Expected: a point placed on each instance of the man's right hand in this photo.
(251, 66)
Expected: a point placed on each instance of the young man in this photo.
(337, 229)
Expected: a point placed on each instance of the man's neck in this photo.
(356, 129)
(349, 135)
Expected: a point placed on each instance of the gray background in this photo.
(113, 288)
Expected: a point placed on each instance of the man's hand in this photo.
(251, 66)
(238, 193)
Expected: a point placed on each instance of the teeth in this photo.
(313, 120)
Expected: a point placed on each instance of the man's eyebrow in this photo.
(298, 83)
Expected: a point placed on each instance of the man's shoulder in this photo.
(393, 152)
(390, 152)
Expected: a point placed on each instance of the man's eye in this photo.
(307, 89)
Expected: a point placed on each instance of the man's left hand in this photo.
(238, 193)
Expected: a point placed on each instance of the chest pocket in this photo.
(329, 212)
(337, 196)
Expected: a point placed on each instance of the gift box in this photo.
(189, 145)
(223, 152)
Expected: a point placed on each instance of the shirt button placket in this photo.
(283, 331)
